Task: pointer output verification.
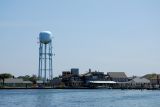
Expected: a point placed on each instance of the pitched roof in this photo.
(140, 80)
(13, 80)
(117, 74)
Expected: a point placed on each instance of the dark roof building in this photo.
(72, 78)
(117, 76)
(94, 76)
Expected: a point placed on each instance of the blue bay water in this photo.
(79, 98)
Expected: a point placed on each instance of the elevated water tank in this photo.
(45, 37)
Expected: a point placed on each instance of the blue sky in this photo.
(104, 35)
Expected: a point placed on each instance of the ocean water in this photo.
(79, 98)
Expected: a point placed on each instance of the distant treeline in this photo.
(32, 78)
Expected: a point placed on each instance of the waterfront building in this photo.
(16, 82)
(94, 76)
(57, 82)
(139, 83)
(117, 76)
(1, 83)
(66, 73)
(102, 84)
(72, 78)
(91, 76)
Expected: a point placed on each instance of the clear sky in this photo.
(104, 35)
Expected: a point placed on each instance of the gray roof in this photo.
(39, 82)
(27, 82)
(117, 74)
(13, 80)
(140, 80)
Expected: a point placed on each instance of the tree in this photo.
(25, 78)
(33, 78)
(149, 76)
(5, 76)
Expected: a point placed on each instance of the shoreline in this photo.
(76, 88)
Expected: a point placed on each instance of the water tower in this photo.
(45, 56)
